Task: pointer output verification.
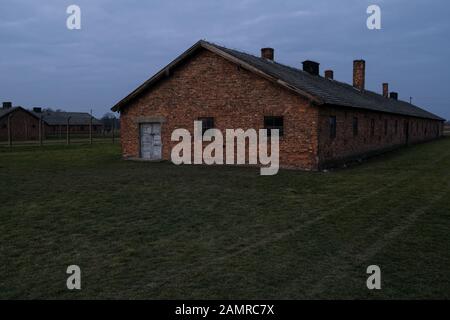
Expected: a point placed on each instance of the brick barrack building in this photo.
(18, 123)
(21, 124)
(322, 121)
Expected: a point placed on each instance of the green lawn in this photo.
(155, 230)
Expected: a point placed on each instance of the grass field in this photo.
(155, 230)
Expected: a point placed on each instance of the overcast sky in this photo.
(122, 43)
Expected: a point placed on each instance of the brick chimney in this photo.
(311, 67)
(267, 53)
(394, 95)
(7, 105)
(359, 74)
(386, 90)
(329, 74)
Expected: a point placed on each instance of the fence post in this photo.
(90, 128)
(112, 127)
(9, 131)
(68, 132)
(40, 131)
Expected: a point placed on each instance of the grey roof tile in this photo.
(4, 112)
(60, 118)
(330, 91)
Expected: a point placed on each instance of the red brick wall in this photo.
(346, 145)
(23, 126)
(210, 86)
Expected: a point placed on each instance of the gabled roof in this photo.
(56, 117)
(4, 112)
(60, 118)
(316, 88)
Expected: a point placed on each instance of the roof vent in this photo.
(385, 90)
(267, 53)
(7, 105)
(394, 95)
(311, 67)
(359, 74)
(329, 74)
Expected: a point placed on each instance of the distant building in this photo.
(56, 121)
(24, 123)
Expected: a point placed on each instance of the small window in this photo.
(332, 122)
(274, 123)
(207, 123)
(372, 127)
(355, 126)
(385, 127)
(396, 126)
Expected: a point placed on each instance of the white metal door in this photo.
(150, 141)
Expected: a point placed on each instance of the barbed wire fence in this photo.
(447, 129)
(16, 131)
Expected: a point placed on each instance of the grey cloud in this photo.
(122, 43)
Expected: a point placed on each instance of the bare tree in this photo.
(109, 121)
